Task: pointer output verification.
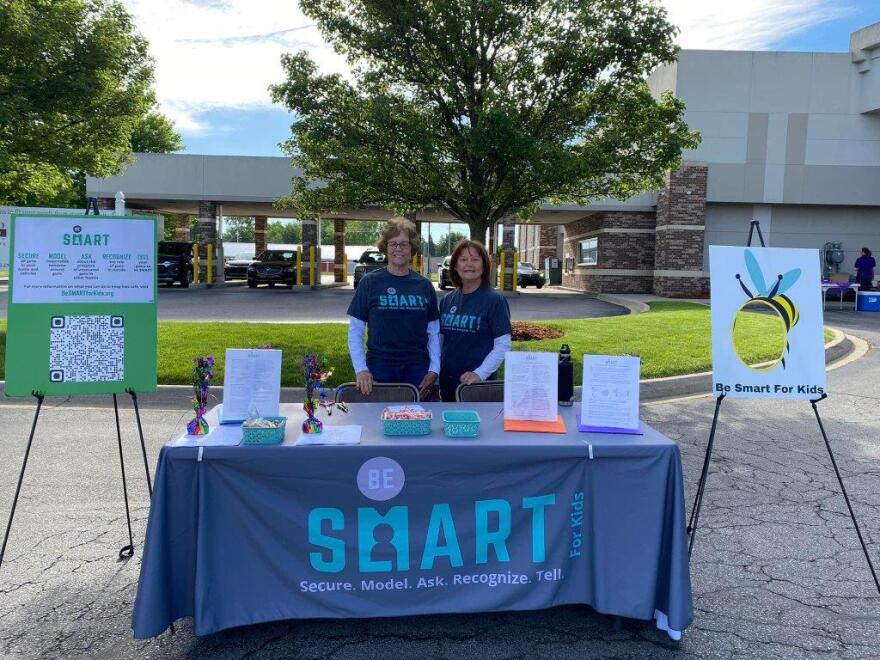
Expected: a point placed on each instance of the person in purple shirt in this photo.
(865, 270)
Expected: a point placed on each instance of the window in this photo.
(588, 252)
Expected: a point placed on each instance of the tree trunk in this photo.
(478, 229)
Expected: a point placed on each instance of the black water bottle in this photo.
(566, 377)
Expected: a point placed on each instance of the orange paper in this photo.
(530, 426)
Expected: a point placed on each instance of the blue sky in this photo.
(238, 118)
(216, 58)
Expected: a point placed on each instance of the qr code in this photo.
(86, 349)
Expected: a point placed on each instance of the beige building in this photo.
(791, 140)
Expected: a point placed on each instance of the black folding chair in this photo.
(482, 391)
(382, 393)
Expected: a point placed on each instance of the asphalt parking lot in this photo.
(777, 571)
(236, 302)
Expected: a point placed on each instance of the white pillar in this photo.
(119, 208)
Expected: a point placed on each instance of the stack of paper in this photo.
(531, 389)
(251, 384)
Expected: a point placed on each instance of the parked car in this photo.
(273, 267)
(527, 274)
(443, 280)
(175, 262)
(370, 260)
(236, 269)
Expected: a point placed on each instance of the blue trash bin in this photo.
(868, 301)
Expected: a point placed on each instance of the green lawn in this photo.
(672, 339)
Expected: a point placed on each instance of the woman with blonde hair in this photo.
(397, 308)
(474, 322)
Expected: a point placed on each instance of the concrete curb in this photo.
(178, 396)
(634, 306)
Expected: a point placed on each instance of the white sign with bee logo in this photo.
(767, 323)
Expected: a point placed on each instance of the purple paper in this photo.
(585, 428)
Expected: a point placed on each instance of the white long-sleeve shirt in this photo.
(357, 330)
(493, 360)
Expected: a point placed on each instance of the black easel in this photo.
(126, 552)
(701, 485)
(755, 225)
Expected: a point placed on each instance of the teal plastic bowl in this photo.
(260, 436)
(461, 423)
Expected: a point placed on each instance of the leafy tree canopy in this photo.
(446, 243)
(239, 229)
(360, 232)
(75, 96)
(154, 134)
(482, 109)
(285, 233)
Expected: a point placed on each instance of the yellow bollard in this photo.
(209, 271)
(197, 274)
(299, 266)
(312, 281)
(501, 277)
(514, 272)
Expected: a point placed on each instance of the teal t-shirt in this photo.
(397, 310)
(469, 324)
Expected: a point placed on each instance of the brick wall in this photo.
(340, 267)
(681, 287)
(680, 237)
(625, 242)
(598, 283)
(537, 242)
(181, 227)
(659, 253)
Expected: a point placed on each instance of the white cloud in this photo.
(214, 54)
(748, 24)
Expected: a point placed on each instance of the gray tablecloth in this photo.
(416, 525)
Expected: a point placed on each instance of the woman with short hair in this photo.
(474, 322)
(399, 307)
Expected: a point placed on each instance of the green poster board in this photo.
(82, 305)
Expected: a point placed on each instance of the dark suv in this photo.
(175, 262)
(370, 260)
(527, 274)
(273, 267)
(443, 280)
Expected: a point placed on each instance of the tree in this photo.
(482, 109)
(154, 134)
(286, 233)
(75, 96)
(328, 232)
(239, 229)
(362, 233)
(447, 242)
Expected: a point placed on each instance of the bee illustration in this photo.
(772, 297)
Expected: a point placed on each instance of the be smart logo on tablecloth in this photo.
(381, 479)
(767, 334)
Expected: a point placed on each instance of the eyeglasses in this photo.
(394, 245)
